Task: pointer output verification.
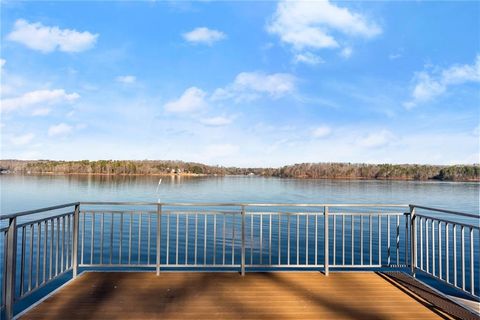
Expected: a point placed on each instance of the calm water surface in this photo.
(27, 192)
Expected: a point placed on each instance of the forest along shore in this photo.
(303, 170)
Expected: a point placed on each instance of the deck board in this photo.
(202, 295)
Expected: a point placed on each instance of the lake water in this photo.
(27, 192)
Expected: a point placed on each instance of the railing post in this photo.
(326, 239)
(242, 271)
(413, 241)
(10, 269)
(76, 225)
(159, 227)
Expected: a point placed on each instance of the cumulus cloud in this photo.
(376, 139)
(428, 86)
(321, 132)
(318, 24)
(126, 79)
(22, 139)
(33, 98)
(204, 35)
(60, 129)
(216, 121)
(2, 63)
(252, 85)
(307, 58)
(192, 99)
(41, 112)
(346, 52)
(47, 39)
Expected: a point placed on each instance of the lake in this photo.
(27, 192)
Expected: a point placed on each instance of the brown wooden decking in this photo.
(197, 295)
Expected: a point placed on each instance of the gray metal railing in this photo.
(237, 236)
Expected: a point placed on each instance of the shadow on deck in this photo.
(197, 295)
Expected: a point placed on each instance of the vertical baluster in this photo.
(316, 238)
(205, 239)
(421, 243)
(433, 247)
(288, 239)
(224, 237)
(447, 256)
(214, 238)
(361, 239)
(159, 238)
(148, 237)
(63, 245)
(92, 237)
(279, 238)
(45, 235)
(168, 237)
(306, 240)
(462, 253)
(121, 239)
(472, 269)
(334, 251)
(261, 238)
(102, 229)
(139, 248)
(370, 238)
(82, 239)
(440, 273)
(176, 242)
(455, 254)
(343, 239)
(186, 239)
(130, 225)
(57, 247)
(30, 259)
(22, 262)
(379, 239)
(398, 241)
(251, 239)
(388, 240)
(242, 268)
(50, 260)
(298, 239)
(111, 238)
(233, 238)
(326, 241)
(37, 256)
(427, 251)
(69, 243)
(353, 238)
(270, 239)
(196, 238)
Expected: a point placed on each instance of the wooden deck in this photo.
(197, 295)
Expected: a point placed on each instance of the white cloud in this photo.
(2, 63)
(217, 121)
(37, 97)
(346, 52)
(376, 139)
(307, 58)
(46, 39)
(251, 85)
(204, 35)
(41, 112)
(321, 132)
(394, 56)
(191, 100)
(59, 129)
(429, 86)
(313, 24)
(22, 139)
(126, 79)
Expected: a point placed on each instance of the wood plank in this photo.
(217, 295)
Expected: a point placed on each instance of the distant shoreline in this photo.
(196, 175)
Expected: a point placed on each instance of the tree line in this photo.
(302, 170)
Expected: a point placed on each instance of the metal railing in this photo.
(243, 237)
(441, 250)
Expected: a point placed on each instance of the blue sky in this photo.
(241, 83)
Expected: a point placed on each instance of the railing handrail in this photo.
(24, 213)
(243, 204)
(458, 213)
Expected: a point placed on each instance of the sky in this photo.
(241, 83)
